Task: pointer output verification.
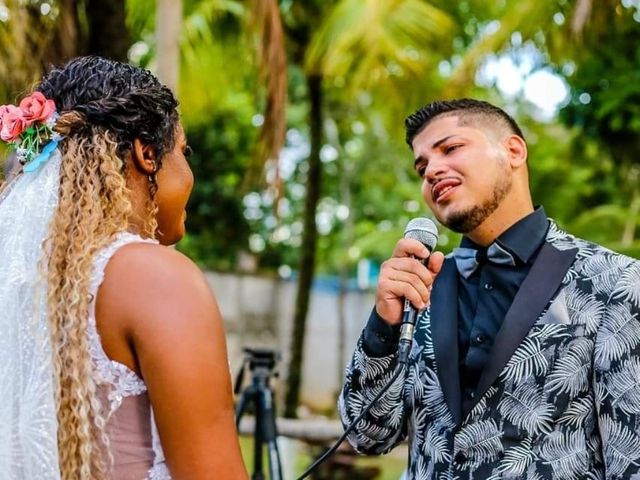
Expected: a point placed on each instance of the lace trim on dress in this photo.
(159, 472)
(123, 381)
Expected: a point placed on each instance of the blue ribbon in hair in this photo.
(42, 157)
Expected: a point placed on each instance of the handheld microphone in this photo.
(426, 232)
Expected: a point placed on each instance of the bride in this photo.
(113, 361)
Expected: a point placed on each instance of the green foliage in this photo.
(217, 226)
(605, 100)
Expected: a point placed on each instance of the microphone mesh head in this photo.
(423, 230)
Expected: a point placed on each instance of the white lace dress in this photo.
(133, 436)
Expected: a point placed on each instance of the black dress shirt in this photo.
(485, 297)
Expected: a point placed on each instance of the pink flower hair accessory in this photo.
(37, 108)
(28, 129)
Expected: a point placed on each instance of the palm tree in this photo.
(563, 30)
(24, 35)
(168, 26)
(37, 35)
(264, 31)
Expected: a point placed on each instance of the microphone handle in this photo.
(409, 316)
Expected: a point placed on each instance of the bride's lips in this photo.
(444, 188)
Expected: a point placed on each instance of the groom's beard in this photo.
(468, 220)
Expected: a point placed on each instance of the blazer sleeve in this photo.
(372, 366)
(617, 376)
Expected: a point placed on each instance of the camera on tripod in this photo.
(261, 358)
(258, 398)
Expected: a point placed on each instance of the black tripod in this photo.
(259, 394)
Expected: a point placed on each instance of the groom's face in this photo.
(464, 170)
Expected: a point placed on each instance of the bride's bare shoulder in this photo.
(152, 283)
(143, 264)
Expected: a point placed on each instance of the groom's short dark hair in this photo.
(467, 109)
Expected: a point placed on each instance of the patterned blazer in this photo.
(559, 397)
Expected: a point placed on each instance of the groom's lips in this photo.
(443, 189)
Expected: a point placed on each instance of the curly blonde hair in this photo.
(101, 114)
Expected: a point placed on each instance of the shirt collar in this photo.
(523, 238)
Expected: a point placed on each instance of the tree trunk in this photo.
(108, 34)
(168, 27)
(308, 248)
(66, 41)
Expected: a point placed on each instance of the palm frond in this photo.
(374, 431)
(479, 408)
(570, 373)
(594, 445)
(198, 20)
(369, 42)
(370, 368)
(416, 384)
(394, 391)
(604, 269)
(619, 333)
(448, 475)
(356, 402)
(423, 469)
(481, 442)
(549, 330)
(436, 446)
(578, 412)
(556, 235)
(523, 17)
(599, 392)
(584, 309)
(628, 287)
(567, 454)
(621, 446)
(598, 475)
(265, 19)
(623, 384)
(389, 407)
(528, 360)
(516, 460)
(265, 30)
(533, 475)
(424, 327)
(434, 399)
(418, 427)
(527, 408)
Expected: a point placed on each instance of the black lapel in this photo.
(444, 330)
(537, 289)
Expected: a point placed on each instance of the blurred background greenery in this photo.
(295, 110)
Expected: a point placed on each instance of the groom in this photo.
(526, 358)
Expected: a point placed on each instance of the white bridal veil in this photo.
(28, 427)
